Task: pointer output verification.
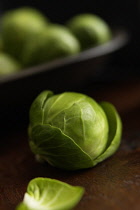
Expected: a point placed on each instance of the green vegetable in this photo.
(50, 194)
(1, 44)
(8, 65)
(72, 131)
(91, 30)
(18, 25)
(54, 42)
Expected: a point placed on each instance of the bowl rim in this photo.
(119, 39)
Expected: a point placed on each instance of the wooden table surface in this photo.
(112, 185)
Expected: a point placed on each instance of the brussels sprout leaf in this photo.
(115, 131)
(50, 194)
(59, 149)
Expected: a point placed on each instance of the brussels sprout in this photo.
(54, 42)
(72, 131)
(1, 44)
(8, 65)
(90, 29)
(51, 194)
(17, 26)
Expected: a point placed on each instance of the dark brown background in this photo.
(115, 183)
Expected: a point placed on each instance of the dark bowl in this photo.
(61, 74)
(17, 91)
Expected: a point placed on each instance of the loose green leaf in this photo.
(50, 194)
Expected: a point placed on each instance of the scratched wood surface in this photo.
(113, 184)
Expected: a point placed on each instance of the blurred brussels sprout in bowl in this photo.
(90, 29)
(8, 65)
(16, 27)
(31, 38)
(72, 131)
(1, 44)
(49, 44)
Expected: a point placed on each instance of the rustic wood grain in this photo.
(112, 184)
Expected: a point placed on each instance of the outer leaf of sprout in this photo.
(115, 131)
(58, 149)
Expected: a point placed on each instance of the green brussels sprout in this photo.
(90, 29)
(1, 44)
(8, 65)
(54, 42)
(51, 194)
(72, 131)
(16, 27)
